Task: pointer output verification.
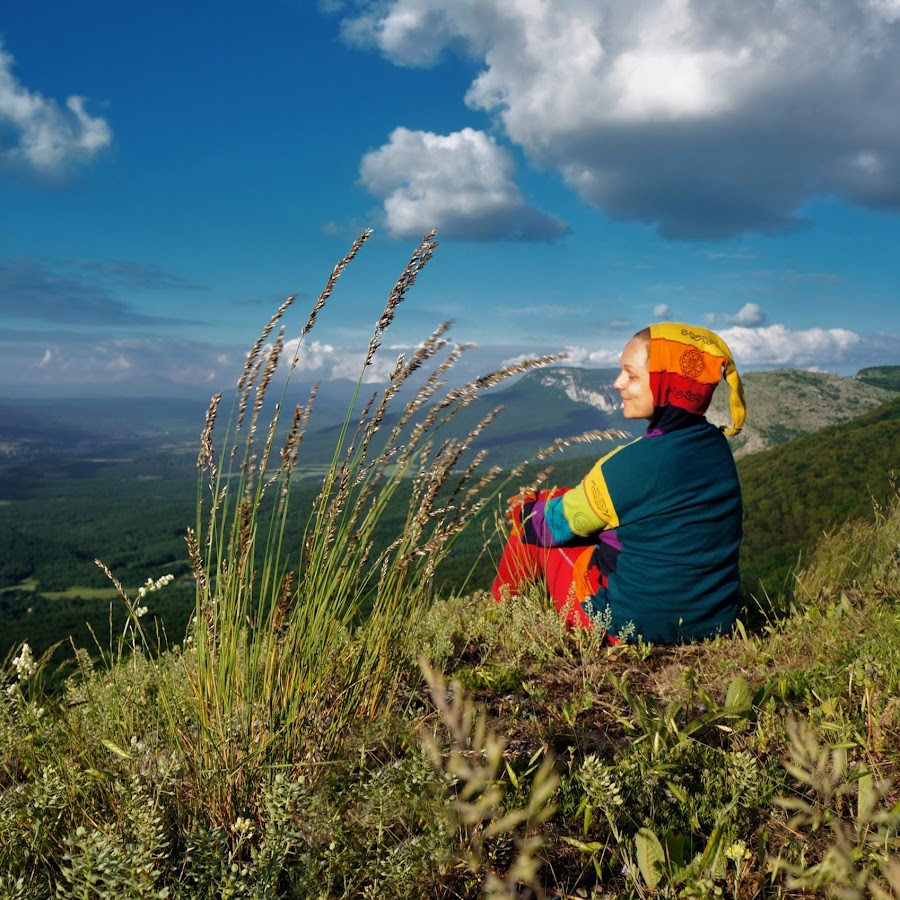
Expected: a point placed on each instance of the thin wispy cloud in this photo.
(35, 290)
(784, 276)
(74, 359)
(135, 275)
(40, 136)
(546, 310)
(706, 119)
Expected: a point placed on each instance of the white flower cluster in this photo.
(148, 588)
(24, 665)
(152, 585)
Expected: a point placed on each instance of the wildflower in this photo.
(25, 667)
(242, 827)
(152, 586)
(737, 852)
(599, 784)
(148, 588)
(24, 663)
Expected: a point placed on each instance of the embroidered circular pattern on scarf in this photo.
(691, 362)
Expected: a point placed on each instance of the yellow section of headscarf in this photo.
(708, 342)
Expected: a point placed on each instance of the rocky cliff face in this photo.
(786, 403)
(578, 385)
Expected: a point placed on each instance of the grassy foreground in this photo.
(329, 728)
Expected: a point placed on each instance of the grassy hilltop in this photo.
(332, 723)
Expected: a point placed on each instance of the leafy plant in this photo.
(862, 857)
(472, 769)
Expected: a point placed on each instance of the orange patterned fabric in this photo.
(686, 359)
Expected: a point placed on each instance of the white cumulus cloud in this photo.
(750, 315)
(462, 183)
(41, 136)
(323, 361)
(707, 118)
(777, 345)
(598, 358)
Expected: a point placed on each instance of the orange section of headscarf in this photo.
(686, 362)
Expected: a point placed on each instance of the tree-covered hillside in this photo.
(887, 377)
(795, 493)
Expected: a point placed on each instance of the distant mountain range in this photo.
(540, 407)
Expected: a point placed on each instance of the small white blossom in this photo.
(148, 588)
(150, 585)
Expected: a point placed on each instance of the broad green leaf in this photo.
(865, 800)
(738, 697)
(678, 792)
(651, 857)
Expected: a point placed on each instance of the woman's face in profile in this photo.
(633, 381)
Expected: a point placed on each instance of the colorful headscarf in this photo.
(686, 364)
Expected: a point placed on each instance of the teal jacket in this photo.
(666, 513)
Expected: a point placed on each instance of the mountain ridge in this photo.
(539, 408)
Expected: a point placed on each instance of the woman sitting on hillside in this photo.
(654, 530)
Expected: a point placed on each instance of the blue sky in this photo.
(170, 172)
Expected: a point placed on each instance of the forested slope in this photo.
(812, 485)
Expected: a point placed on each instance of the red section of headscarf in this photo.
(680, 391)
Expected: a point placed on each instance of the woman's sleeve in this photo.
(584, 510)
(589, 508)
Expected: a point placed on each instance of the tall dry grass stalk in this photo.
(282, 664)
